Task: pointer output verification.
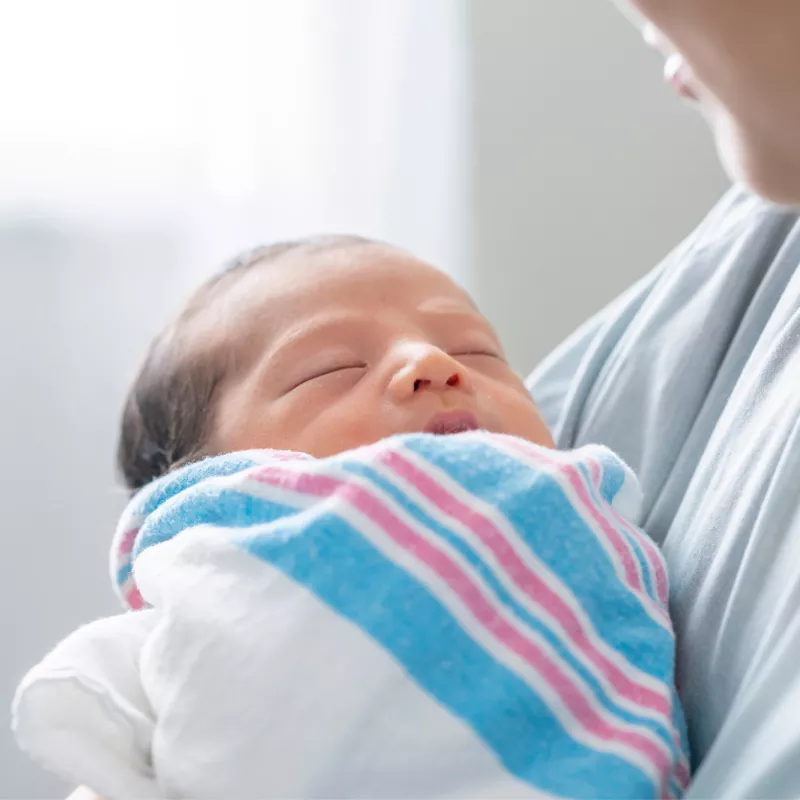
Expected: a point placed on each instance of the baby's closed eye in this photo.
(483, 352)
(322, 372)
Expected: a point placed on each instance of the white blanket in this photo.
(421, 618)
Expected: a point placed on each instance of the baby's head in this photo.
(319, 346)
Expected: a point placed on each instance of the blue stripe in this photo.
(332, 560)
(611, 483)
(546, 521)
(162, 490)
(209, 505)
(124, 572)
(611, 480)
(156, 494)
(509, 603)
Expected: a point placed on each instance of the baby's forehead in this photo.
(368, 282)
(368, 277)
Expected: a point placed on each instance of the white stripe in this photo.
(596, 497)
(600, 455)
(532, 563)
(497, 649)
(124, 589)
(653, 608)
(551, 467)
(243, 482)
(650, 554)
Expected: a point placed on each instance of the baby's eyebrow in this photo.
(449, 306)
(459, 313)
(346, 325)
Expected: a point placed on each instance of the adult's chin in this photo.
(751, 160)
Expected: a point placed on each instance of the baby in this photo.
(338, 597)
(320, 346)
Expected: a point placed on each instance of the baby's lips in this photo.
(450, 422)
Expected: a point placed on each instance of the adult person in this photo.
(693, 376)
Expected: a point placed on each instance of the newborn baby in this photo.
(319, 347)
(353, 602)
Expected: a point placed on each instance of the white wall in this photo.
(587, 170)
(62, 301)
(125, 177)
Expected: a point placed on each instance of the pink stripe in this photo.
(614, 537)
(473, 599)
(126, 542)
(656, 567)
(652, 555)
(617, 542)
(653, 558)
(537, 454)
(594, 489)
(682, 773)
(288, 455)
(527, 580)
(134, 599)
(651, 552)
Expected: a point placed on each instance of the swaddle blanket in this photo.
(466, 616)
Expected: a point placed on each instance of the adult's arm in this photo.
(695, 384)
(637, 376)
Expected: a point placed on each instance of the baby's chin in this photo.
(539, 437)
(531, 428)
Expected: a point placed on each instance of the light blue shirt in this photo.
(693, 377)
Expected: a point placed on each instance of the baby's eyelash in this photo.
(487, 353)
(328, 371)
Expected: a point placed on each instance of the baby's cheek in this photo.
(522, 418)
(541, 433)
(339, 430)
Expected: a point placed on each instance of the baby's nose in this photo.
(426, 383)
(428, 369)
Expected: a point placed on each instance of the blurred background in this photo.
(526, 146)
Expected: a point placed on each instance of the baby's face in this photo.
(345, 347)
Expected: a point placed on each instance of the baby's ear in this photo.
(615, 481)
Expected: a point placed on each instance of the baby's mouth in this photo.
(452, 422)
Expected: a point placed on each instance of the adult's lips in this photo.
(676, 71)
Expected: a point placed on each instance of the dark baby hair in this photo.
(168, 414)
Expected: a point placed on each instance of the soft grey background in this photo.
(587, 169)
(584, 171)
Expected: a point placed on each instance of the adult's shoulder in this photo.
(638, 375)
(739, 218)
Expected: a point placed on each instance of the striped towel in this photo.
(463, 616)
